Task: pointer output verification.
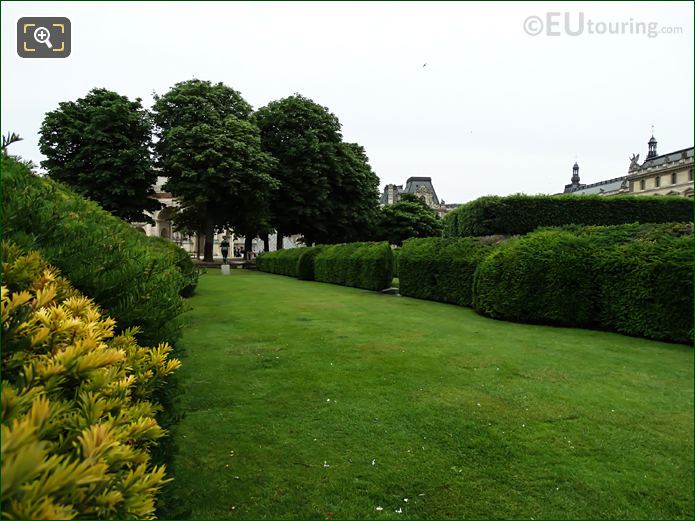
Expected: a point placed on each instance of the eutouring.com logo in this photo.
(577, 24)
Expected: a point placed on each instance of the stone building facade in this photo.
(665, 174)
(194, 244)
(420, 186)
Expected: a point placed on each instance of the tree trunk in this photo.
(266, 242)
(248, 246)
(209, 238)
(280, 240)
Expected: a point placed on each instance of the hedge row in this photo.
(367, 265)
(542, 277)
(636, 279)
(306, 263)
(281, 262)
(440, 269)
(521, 214)
(631, 279)
(78, 422)
(137, 280)
(396, 261)
(183, 261)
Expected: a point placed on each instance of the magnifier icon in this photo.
(43, 35)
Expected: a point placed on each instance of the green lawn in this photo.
(308, 400)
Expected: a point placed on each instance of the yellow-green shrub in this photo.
(76, 421)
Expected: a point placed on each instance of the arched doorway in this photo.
(164, 221)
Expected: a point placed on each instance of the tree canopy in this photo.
(100, 146)
(211, 155)
(409, 217)
(328, 190)
(353, 208)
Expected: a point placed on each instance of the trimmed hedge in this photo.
(540, 278)
(131, 276)
(184, 263)
(305, 263)
(521, 214)
(440, 269)
(635, 279)
(280, 262)
(367, 265)
(645, 288)
(396, 261)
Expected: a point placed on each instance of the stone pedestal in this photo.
(225, 269)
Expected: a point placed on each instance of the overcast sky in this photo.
(494, 111)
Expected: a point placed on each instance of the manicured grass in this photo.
(303, 399)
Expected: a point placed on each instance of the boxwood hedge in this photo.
(635, 279)
(520, 214)
(132, 277)
(645, 288)
(280, 262)
(305, 263)
(396, 261)
(367, 265)
(440, 269)
(184, 263)
(541, 278)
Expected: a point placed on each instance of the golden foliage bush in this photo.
(77, 425)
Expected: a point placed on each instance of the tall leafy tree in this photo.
(211, 155)
(100, 145)
(304, 137)
(409, 217)
(353, 205)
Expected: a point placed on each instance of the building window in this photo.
(657, 181)
(690, 175)
(674, 178)
(642, 184)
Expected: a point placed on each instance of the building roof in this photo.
(413, 183)
(609, 185)
(686, 153)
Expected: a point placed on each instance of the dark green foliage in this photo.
(604, 236)
(305, 264)
(184, 263)
(100, 146)
(329, 192)
(303, 136)
(332, 265)
(409, 217)
(280, 262)
(293, 262)
(135, 282)
(544, 277)
(353, 204)
(440, 269)
(645, 288)
(396, 261)
(635, 279)
(211, 155)
(520, 214)
(367, 265)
